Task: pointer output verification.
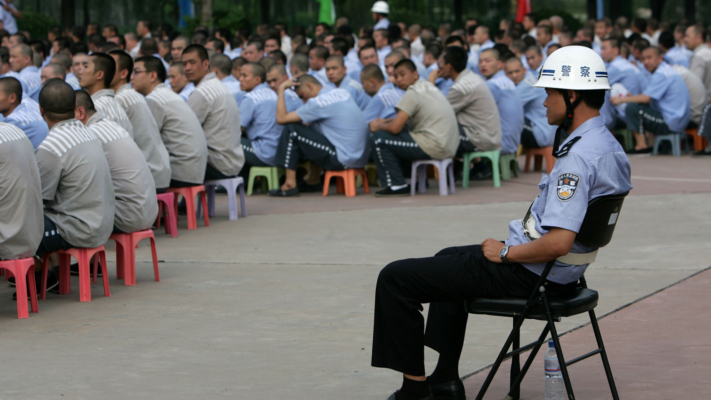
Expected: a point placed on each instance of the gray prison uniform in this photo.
(76, 184)
(146, 134)
(218, 113)
(21, 217)
(134, 190)
(182, 134)
(105, 101)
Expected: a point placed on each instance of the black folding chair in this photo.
(596, 231)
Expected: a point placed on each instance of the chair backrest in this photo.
(600, 220)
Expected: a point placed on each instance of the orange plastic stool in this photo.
(540, 154)
(83, 256)
(18, 269)
(189, 194)
(699, 142)
(171, 223)
(126, 244)
(346, 181)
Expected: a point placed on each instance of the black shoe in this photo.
(388, 192)
(452, 390)
(392, 397)
(52, 281)
(480, 171)
(646, 150)
(701, 153)
(182, 209)
(309, 188)
(293, 192)
(11, 281)
(74, 269)
(220, 189)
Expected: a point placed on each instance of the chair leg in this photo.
(232, 198)
(514, 393)
(603, 354)
(242, 203)
(413, 179)
(120, 260)
(104, 272)
(203, 196)
(171, 222)
(191, 212)
(527, 163)
(558, 349)
(450, 173)
(45, 272)
(442, 181)
(21, 286)
(129, 262)
(350, 183)
(465, 170)
(326, 184)
(250, 182)
(496, 171)
(365, 182)
(84, 277)
(156, 273)
(210, 191)
(65, 281)
(32, 287)
(422, 178)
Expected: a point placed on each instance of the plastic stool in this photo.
(83, 256)
(346, 181)
(189, 194)
(441, 165)
(508, 164)
(540, 154)
(171, 225)
(231, 185)
(271, 174)
(492, 155)
(674, 138)
(19, 269)
(699, 141)
(126, 244)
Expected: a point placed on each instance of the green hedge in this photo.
(35, 23)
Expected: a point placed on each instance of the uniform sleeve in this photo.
(657, 87)
(373, 109)
(158, 113)
(312, 112)
(526, 94)
(50, 169)
(697, 66)
(246, 111)
(293, 103)
(567, 193)
(408, 103)
(198, 104)
(456, 100)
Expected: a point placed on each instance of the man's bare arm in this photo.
(392, 125)
(556, 243)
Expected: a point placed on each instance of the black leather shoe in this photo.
(392, 397)
(452, 390)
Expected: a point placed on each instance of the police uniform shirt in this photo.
(432, 123)
(382, 53)
(146, 134)
(105, 102)
(623, 72)
(679, 55)
(442, 84)
(8, 20)
(382, 24)
(356, 90)
(292, 100)
(697, 93)
(258, 117)
(335, 114)
(30, 121)
(181, 133)
(235, 87)
(187, 91)
(645, 75)
(21, 218)
(510, 111)
(76, 184)
(217, 111)
(700, 64)
(534, 110)
(31, 81)
(476, 110)
(382, 105)
(352, 63)
(72, 81)
(595, 166)
(134, 190)
(321, 77)
(670, 97)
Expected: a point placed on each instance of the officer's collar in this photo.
(592, 123)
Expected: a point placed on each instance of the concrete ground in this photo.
(280, 304)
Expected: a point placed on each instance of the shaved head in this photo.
(57, 99)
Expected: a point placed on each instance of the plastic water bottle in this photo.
(555, 387)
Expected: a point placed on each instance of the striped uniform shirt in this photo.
(30, 121)
(476, 111)
(105, 101)
(31, 81)
(258, 117)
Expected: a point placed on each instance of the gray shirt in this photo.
(146, 134)
(21, 219)
(476, 110)
(700, 64)
(105, 102)
(697, 92)
(134, 190)
(217, 111)
(76, 184)
(182, 134)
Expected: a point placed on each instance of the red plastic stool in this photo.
(699, 142)
(83, 256)
(189, 194)
(126, 244)
(346, 181)
(171, 224)
(540, 154)
(18, 269)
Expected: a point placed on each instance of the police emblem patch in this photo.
(567, 186)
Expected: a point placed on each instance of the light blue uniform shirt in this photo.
(510, 110)
(533, 109)
(382, 105)
(30, 121)
(442, 84)
(31, 81)
(645, 75)
(356, 90)
(72, 81)
(679, 55)
(352, 64)
(595, 166)
(623, 72)
(382, 24)
(257, 114)
(670, 97)
(609, 113)
(336, 115)
(235, 87)
(187, 91)
(293, 101)
(320, 76)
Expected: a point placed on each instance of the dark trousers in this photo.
(465, 145)
(445, 281)
(643, 118)
(527, 139)
(51, 240)
(299, 142)
(174, 183)
(705, 123)
(211, 174)
(250, 157)
(390, 151)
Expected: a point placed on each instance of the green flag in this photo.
(327, 12)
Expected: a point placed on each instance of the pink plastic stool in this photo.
(189, 194)
(345, 181)
(126, 244)
(171, 224)
(83, 256)
(18, 269)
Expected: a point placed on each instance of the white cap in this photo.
(380, 7)
(574, 68)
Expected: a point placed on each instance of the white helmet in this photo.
(380, 7)
(574, 68)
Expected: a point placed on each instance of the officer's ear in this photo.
(573, 95)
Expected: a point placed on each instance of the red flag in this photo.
(524, 7)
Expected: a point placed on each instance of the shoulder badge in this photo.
(567, 186)
(566, 147)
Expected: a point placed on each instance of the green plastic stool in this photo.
(272, 175)
(505, 165)
(627, 138)
(491, 155)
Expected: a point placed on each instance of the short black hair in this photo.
(666, 39)
(95, 39)
(222, 63)
(326, 27)
(11, 85)
(340, 45)
(112, 28)
(366, 47)
(278, 55)
(199, 49)
(278, 40)
(146, 23)
(63, 43)
(79, 47)
(456, 57)
(454, 38)
(153, 64)
(57, 99)
(125, 62)
(217, 44)
(149, 46)
(258, 70)
(257, 43)
(435, 50)
(320, 52)
(407, 64)
(592, 98)
(106, 64)
(79, 32)
(372, 71)
(83, 99)
(640, 24)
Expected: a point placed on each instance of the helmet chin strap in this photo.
(569, 111)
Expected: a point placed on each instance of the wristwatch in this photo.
(503, 253)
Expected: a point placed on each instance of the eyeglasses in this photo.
(138, 71)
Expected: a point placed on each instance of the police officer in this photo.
(591, 163)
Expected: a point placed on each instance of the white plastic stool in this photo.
(445, 167)
(674, 138)
(231, 185)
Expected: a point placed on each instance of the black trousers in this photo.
(527, 139)
(390, 151)
(51, 240)
(705, 123)
(445, 281)
(212, 173)
(250, 157)
(465, 145)
(299, 142)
